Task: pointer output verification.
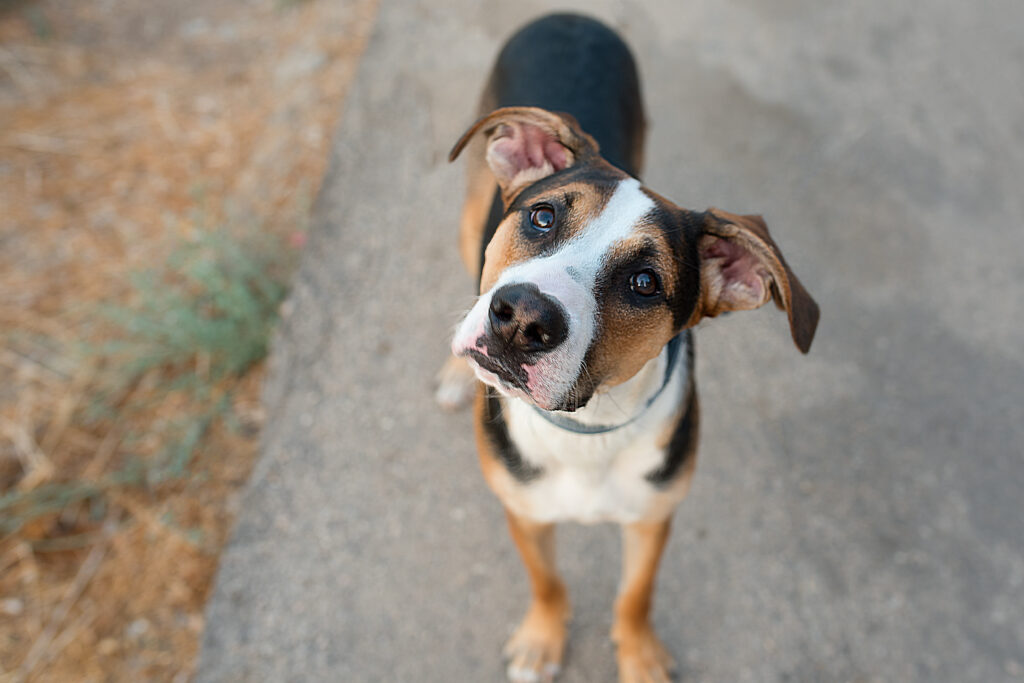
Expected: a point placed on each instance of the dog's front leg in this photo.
(641, 655)
(534, 652)
(456, 384)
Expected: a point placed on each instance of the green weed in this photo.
(209, 316)
(195, 326)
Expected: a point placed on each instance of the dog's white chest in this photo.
(603, 489)
(591, 478)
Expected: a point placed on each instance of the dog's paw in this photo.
(534, 652)
(643, 659)
(456, 384)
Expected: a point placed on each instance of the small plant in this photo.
(208, 317)
(174, 356)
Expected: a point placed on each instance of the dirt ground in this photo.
(125, 126)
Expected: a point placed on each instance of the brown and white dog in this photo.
(590, 283)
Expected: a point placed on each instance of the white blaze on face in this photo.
(568, 276)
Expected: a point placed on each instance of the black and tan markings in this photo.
(493, 441)
(706, 263)
(630, 328)
(577, 195)
(682, 444)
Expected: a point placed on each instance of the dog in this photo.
(590, 284)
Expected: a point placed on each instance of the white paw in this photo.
(456, 384)
(533, 661)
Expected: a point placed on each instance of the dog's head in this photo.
(589, 274)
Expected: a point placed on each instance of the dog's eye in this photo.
(542, 217)
(644, 283)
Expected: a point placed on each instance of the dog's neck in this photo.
(624, 403)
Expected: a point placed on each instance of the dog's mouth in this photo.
(516, 383)
(515, 380)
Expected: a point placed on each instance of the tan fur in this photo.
(641, 655)
(479, 195)
(535, 650)
(627, 344)
(588, 205)
(503, 251)
(628, 341)
(480, 187)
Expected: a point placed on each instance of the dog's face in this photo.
(589, 274)
(587, 277)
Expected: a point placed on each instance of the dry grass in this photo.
(152, 138)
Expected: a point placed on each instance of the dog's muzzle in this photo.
(518, 333)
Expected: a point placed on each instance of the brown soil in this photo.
(119, 123)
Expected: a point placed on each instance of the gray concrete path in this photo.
(858, 514)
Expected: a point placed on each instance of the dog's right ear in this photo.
(525, 144)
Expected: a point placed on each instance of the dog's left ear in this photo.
(741, 268)
(525, 144)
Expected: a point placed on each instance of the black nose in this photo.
(526, 320)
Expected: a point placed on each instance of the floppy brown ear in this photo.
(741, 268)
(525, 144)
